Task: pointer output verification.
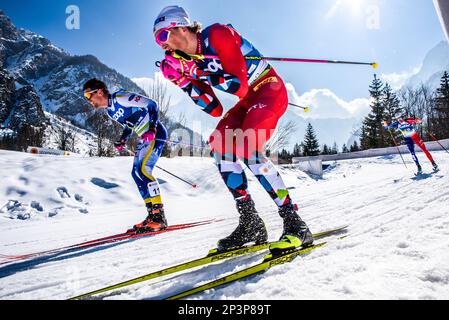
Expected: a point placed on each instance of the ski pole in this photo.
(306, 109)
(181, 143)
(180, 54)
(191, 184)
(435, 138)
(397, 147)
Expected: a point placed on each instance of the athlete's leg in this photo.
(144, 162)
(222, 142)
(146, 157)
(411, 148)
(417, 139)
(268, 105)
(251, 227)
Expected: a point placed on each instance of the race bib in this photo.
(153, 189)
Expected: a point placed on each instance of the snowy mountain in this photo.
(434, 64)
(37, 78)
(85, 142)
(397, 245)
(56, 76)
(19, 105)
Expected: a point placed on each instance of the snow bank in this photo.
(397, 246)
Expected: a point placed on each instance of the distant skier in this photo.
(244, 131)
(407, 127)
(137, 114)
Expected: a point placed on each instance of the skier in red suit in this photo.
(197, 60)
(407, 127)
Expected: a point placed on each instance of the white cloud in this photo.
(398, 79)
(323, 103)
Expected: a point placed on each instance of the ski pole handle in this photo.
(306, 109)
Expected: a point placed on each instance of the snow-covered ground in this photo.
(397, 248)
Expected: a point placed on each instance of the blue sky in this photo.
(119, 33)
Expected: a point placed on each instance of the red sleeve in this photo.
(226, 42)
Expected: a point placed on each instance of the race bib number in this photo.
(153, 189)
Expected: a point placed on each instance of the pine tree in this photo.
(297, 150)
(354, 147)
(285, 157)
(373, 134)
(334, 149)
(392, 107)
(442, 107)
(443, 91)
(311, 145)
(344, 149)
(391, 103)
(364, 141)
(326, 150)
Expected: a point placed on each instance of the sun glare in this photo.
(353, 6)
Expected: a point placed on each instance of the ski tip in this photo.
(331, 232)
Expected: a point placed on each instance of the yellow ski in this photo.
(181, 267)
(261, 267)
(269, 261)
(213, 257)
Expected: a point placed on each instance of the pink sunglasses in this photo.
(163, 35)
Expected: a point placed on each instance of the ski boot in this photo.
(419, 170)
(154, 222)
(251, 228)
(435, 167)
(296, 233)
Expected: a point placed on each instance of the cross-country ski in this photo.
(292, 150)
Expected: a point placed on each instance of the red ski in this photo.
(102, 241)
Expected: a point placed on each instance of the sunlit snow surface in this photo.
(397, 248)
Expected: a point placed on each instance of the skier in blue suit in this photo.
(136, 114)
